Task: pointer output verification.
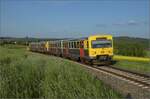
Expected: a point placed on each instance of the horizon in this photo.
(11, 37)
(68, 19)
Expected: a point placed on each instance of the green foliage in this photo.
(28, 75)
(148, 53)
(142, 67)
(130, 47)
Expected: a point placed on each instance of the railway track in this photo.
(130, 85)
(140, 80)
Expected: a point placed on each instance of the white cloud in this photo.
(132, 22)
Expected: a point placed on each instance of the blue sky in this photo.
(74, 18)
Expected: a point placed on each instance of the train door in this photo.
(67, 51)
(47, 46)
(61, 47)
(66, 48)
(81, 49)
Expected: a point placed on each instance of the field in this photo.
(137, 64)
(25, 74)
(131, 58)
(141, 67)
(148, 54)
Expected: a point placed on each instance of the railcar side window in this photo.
(59, 44)
(66, 45)
(72, 44)
(78, 44)
(69, 44)
(75, 45)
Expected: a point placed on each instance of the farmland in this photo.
(141, 67)
(148, 54)
(25, 74)
(136, 64)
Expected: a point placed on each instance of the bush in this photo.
(131, 50)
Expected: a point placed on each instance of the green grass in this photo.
(148, 54)
(142, 67)
(30, 75)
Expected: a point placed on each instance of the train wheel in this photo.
(82, 60)
(79, 60)
(90, 62)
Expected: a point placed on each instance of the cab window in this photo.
(101, 43)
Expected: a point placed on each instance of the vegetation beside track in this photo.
(148, 54)
(141, 67)
(131, 58)
(25, 74)
(129, 46)
(136, 64)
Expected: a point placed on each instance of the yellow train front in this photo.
(99, 48)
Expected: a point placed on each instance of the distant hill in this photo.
(131, 40)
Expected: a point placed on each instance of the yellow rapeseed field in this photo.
(129, 58)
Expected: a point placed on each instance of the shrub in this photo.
(131, 50)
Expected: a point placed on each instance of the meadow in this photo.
(24, 74)
(136, 64)
(141, 67)
(148, 54)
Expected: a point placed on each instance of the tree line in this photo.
(131, 46)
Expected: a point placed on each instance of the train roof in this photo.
(73, 39)
(78, 39)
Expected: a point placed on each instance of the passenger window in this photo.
(78, 44)
(72, 44)
(65, 45)
(69, 44)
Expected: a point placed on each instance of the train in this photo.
(94, 49)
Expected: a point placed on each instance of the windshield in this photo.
(101, 43)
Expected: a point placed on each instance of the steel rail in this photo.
(145, 82)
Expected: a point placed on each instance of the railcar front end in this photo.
(100, 48)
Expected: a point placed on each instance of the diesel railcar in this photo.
(95, 49)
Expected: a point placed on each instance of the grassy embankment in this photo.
(29, 75)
